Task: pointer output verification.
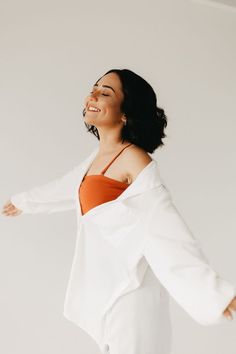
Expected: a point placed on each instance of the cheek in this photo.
(113, 106)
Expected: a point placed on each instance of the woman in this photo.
(133, 246)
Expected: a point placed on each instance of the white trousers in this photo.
(139, 322)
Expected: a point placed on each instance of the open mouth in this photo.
(93, 109)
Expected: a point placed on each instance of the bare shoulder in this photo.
(135, 159)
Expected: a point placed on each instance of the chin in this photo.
(89, 121)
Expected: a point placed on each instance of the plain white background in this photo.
(52, 52)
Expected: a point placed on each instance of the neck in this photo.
(109, 147)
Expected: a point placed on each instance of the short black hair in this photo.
(146, 121)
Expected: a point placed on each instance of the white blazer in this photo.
(117, 240)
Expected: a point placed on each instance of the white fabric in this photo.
(116, 243)
(139, 321)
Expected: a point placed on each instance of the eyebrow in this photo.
(106, 86)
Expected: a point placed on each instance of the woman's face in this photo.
(107, 99)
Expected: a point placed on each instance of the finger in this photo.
(8, 210)
(8, 206)
(11, 206)
(5, 211)
(228, 314)
(14, 211)
(11, 212)
(5, 214)
(17, 212)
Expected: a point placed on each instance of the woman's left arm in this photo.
(179, 263)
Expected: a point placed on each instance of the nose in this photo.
(93, 95)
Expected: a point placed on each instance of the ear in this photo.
(124, 120)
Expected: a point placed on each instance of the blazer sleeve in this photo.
(56, 195)
(177, 260)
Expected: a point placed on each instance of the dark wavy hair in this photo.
(145, 121)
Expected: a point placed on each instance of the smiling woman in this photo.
(133, 248)
(127, 103)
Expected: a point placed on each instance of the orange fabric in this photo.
(98, 189)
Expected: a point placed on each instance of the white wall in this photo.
(51, 54)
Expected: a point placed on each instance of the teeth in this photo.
(93, 109)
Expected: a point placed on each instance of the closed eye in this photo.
(102, 94)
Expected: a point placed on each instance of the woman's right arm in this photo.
(57, 195)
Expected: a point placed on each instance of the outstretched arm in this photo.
(179, 263)
(57, 195)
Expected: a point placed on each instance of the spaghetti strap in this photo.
(104, 170)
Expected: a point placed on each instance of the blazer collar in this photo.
(147, 179)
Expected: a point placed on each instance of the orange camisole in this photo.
(98, 189)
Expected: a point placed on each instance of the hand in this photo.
(9, 209)
(231, 306)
